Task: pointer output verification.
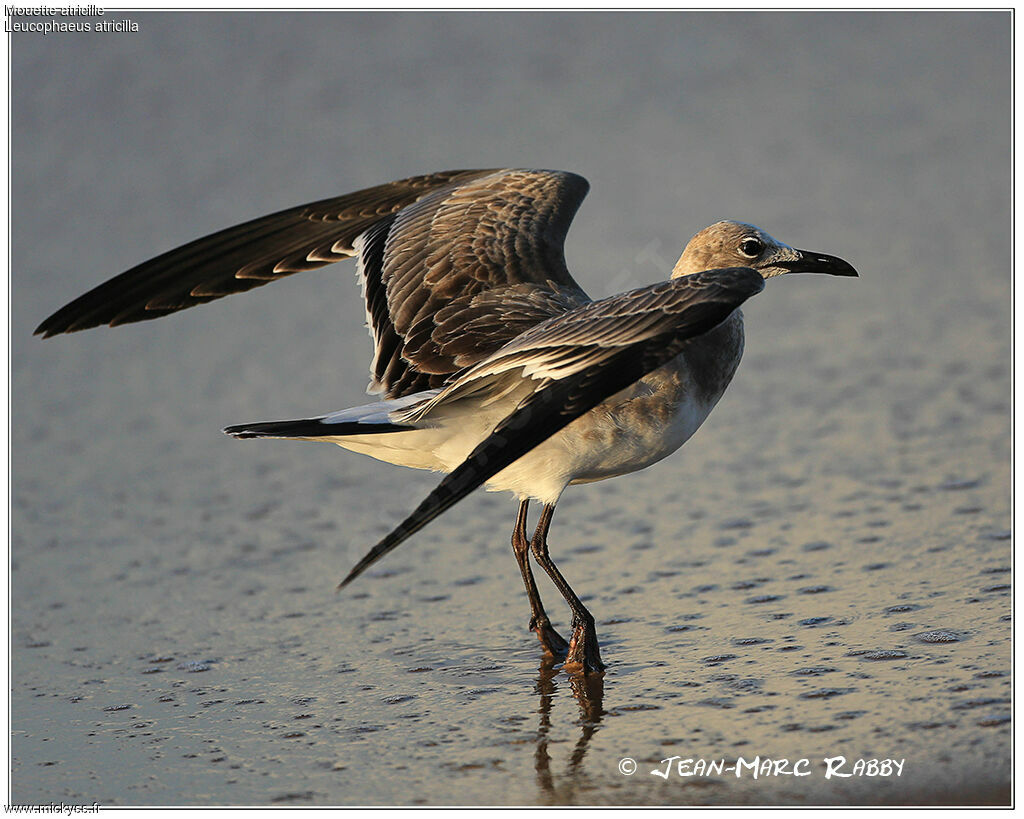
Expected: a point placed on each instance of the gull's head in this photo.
(735, 244)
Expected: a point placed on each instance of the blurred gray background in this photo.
(823, 570)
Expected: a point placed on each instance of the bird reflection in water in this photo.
(588, 689)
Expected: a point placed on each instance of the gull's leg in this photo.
(539, 622)
(584, 652)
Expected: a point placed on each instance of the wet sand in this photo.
(824, 570)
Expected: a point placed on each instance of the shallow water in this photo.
(823, 571)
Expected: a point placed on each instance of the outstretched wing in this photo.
(578, 360)
(245, 256)
(430, 247)
(453, 277)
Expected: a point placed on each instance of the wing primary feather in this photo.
(209, 264)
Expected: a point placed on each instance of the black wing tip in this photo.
(309, 428)
(352, 575)
(49, 328)
(55, 326)
(578, 179)
(376, 553)
(752, 280)
(46, 330)
(240, 431)
(63, 322)
(272, 429)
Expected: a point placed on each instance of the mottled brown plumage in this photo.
(494, 364)
(439, 253)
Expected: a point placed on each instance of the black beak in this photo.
(808, 261)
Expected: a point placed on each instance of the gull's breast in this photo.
(636, 427)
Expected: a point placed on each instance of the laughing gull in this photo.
(492, 363)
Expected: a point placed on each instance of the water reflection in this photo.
(589, 694)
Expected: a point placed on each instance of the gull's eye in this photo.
(751, 248)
